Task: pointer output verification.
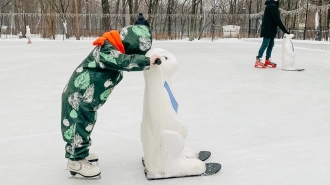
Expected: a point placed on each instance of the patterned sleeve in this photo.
(122, 62)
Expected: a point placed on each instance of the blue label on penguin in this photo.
(175, 104)
(292, 45)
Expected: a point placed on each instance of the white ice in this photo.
(265, 126)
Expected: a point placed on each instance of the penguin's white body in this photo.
(163, 133)
(288, 53)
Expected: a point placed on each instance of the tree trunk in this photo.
(152, 8)
(1, 23)
(19, 9)
(117, 12)
(192, 20)
(88, 26)
(78, 11)
(123, 12)
(328, 24)
(130, 10)
(105, 10)
(136, 7)
(169, 22)
(1, 10)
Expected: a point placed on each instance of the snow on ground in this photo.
(265, 126)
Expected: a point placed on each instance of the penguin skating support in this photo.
(163, 132)
(288, 54)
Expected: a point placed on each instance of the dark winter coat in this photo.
(141, 20)
(271, 20)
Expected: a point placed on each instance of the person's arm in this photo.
(110, 58)
(276, 17)
(122, 62)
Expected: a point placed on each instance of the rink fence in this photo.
(80, 27)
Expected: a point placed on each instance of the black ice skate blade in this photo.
(202, 155)
(211, 169)
(91, 161)
(86, 178)
(294, 70)
(95, 177)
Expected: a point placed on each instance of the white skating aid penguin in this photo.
(288, 54)
(163, 132)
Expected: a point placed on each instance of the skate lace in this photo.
(271, 61)
(87, 165)
(259, 62)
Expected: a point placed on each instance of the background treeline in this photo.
(169, 19)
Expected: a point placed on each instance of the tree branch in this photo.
(6, 4)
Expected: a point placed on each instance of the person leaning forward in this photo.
(91, 84)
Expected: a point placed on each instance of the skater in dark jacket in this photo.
(91, 84)
(270, 22)
(141, 20)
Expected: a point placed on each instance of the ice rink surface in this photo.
(265, 126)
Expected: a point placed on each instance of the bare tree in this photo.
(318, 35)
(2, 6)
(136, 6)
(78, 12)
(18, 7)
(117, 12)
(170, 9)
(192, 22)
(152, 9)
(60, 7)
(183, 20)
(88, 25)
(328, 22)
(133, 6)
(105, 10)
(123, 12)
(167, 18)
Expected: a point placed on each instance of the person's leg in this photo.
(80, 101)
(269, 54)
(77, 124)
(76, 128)
(270, 48)
(264, 45)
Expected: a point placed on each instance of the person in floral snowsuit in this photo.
(91, 84)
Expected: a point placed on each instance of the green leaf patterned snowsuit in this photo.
(93, 81)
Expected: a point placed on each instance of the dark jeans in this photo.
(267, 43)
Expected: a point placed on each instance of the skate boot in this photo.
(268, 63)
(84, 168)
(92, 157)
(259, 64)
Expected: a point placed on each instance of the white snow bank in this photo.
(319, 45)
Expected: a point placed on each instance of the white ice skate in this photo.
(92, 157)
(83, 168)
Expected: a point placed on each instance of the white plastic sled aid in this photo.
(163, 133)
(288, 54)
